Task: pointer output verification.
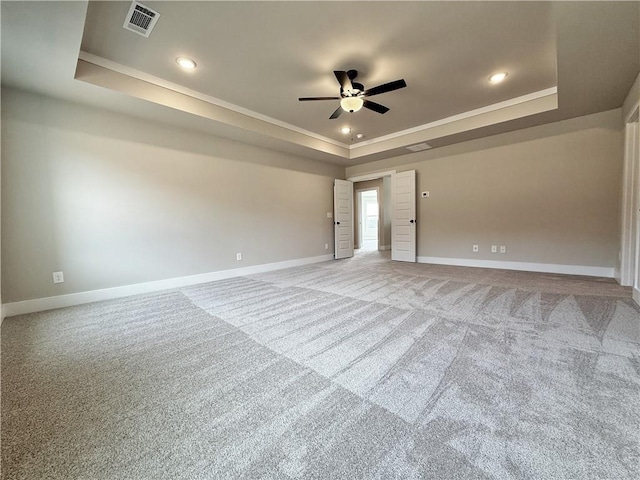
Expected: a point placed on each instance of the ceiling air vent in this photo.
(419, 147)
(140, 19)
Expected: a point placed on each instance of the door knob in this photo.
(412, 221)
(337, 223)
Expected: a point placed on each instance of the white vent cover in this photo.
(419, 147)
(140, 19)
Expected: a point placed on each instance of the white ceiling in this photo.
(256, 58)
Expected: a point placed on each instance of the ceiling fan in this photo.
(352, 94)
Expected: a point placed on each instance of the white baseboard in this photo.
(60, 301)
(636, 295)
(523, 266)
(384, 247)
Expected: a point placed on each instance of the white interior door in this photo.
(636, 226)
(358, 212)
(403, 216)
(630, 200)
(343, 218)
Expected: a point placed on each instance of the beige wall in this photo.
(550, 194)
(112, 200)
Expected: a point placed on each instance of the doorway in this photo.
(381, 183)
(368, 212)
(634, 126)
(630, 245)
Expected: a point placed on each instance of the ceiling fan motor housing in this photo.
(357, 87)
(352, 94)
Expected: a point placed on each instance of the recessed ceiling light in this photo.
(345, 130)
(360, 135)
(186, 63)
(497, 77)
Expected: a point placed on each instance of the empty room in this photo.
(320, 240)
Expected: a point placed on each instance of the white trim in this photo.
(384, 247)
(607, 272)
(636, 296)
(145, 77)
(371, 176)
(60, 301)
(352, 149)
(629, 200)
(632, 102)
(634, 111)
(461, 116)
(358, 210)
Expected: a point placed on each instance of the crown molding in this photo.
(106, 73)
(145, 77)
(549, 92)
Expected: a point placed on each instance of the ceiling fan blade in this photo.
(387, 87)
(309, 99)
(336, 114)
(343, 80)
(376, 107)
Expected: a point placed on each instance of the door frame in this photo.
(358, 214)
(375, 176)
(371, 176)
(630, 235)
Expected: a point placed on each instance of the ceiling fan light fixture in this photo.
(497, 77)
(351, 104)
(353, 94)
(186, 63)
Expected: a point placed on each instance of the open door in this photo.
(403, 216)
(343, 218)
(636, 226)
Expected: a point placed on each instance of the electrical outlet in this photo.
(503, 249)
(475, 248)
(238, 256)
(494, 249)
(326, 246)
(58, 277)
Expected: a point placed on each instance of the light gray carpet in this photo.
(355, 369)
